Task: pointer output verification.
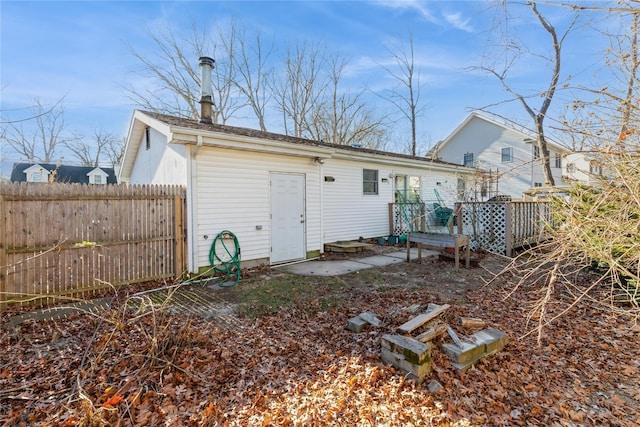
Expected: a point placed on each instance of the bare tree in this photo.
(604, 116)
(299, 89)
(252, 71)
(103, 148)
(344, 117)
(406, 97)
(38, 138)
(173, 72)
(539, 113)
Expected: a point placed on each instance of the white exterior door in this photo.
(287, 217)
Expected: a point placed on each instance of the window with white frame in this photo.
(507, 154)
(369, 182)
(97, 179)
(558, 160)
(468, 160)
(536, 152)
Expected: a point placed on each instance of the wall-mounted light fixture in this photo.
(318, 161)
(385, 180)
(329, 179)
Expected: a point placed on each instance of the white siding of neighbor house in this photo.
(486, 141)
(162, 163)
(233, 194)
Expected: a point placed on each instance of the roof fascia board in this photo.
(240, 142)
(402, 162)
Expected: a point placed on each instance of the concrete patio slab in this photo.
(325, 268)
(381, 260)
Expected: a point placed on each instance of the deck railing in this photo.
(499, 227)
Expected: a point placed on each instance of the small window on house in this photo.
(147, 137)
(36, 177)
(571, 167)
(97, 179)
(595, 169)
(468, 160)
(558, 162)
(536, 152)
(462, 187)
(369, 181)
(507, 154)
(537, 184)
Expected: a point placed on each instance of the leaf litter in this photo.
(300, 366)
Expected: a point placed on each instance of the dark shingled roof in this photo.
(232, 130)
(66, 174)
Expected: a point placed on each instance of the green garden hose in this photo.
(226, 265)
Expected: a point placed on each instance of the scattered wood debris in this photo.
(413, 355)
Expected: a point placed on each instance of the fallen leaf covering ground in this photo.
(300, 366)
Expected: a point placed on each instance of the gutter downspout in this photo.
(321, 181)
(192, 205)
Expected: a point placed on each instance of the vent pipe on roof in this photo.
(206, 101)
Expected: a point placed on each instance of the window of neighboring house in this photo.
(537, 184)
(536, 152)
(369, 182)
(595, 169)
(558, 163)
(97, 179)
(468, 160)
(507, 154)
(571, 167)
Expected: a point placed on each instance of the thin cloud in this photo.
(411, 5)
(459, 22)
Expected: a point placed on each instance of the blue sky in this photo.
(78, 50)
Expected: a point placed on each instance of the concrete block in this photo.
(413, 371)
(371, 318)
(493, 339)
(412, 350)
(469, 352)
(356, 324)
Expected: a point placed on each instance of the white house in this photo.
(508, 157)
(283, 197)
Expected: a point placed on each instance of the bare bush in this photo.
(594, 248)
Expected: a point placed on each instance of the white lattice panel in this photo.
(485, 223)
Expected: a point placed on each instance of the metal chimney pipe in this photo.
(206, 101)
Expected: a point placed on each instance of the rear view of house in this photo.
(283, 197)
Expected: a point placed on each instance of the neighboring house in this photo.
(46, 172)
(283, 197)
(588, 167)
(507, 158)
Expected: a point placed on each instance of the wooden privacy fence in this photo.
(62, 240)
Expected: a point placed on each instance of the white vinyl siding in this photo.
(348, 213)
(233, 194)
(162, 164)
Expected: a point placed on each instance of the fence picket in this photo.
(60, 240)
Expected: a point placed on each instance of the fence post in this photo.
(180, 266)
(3, 255)
(508, 241)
